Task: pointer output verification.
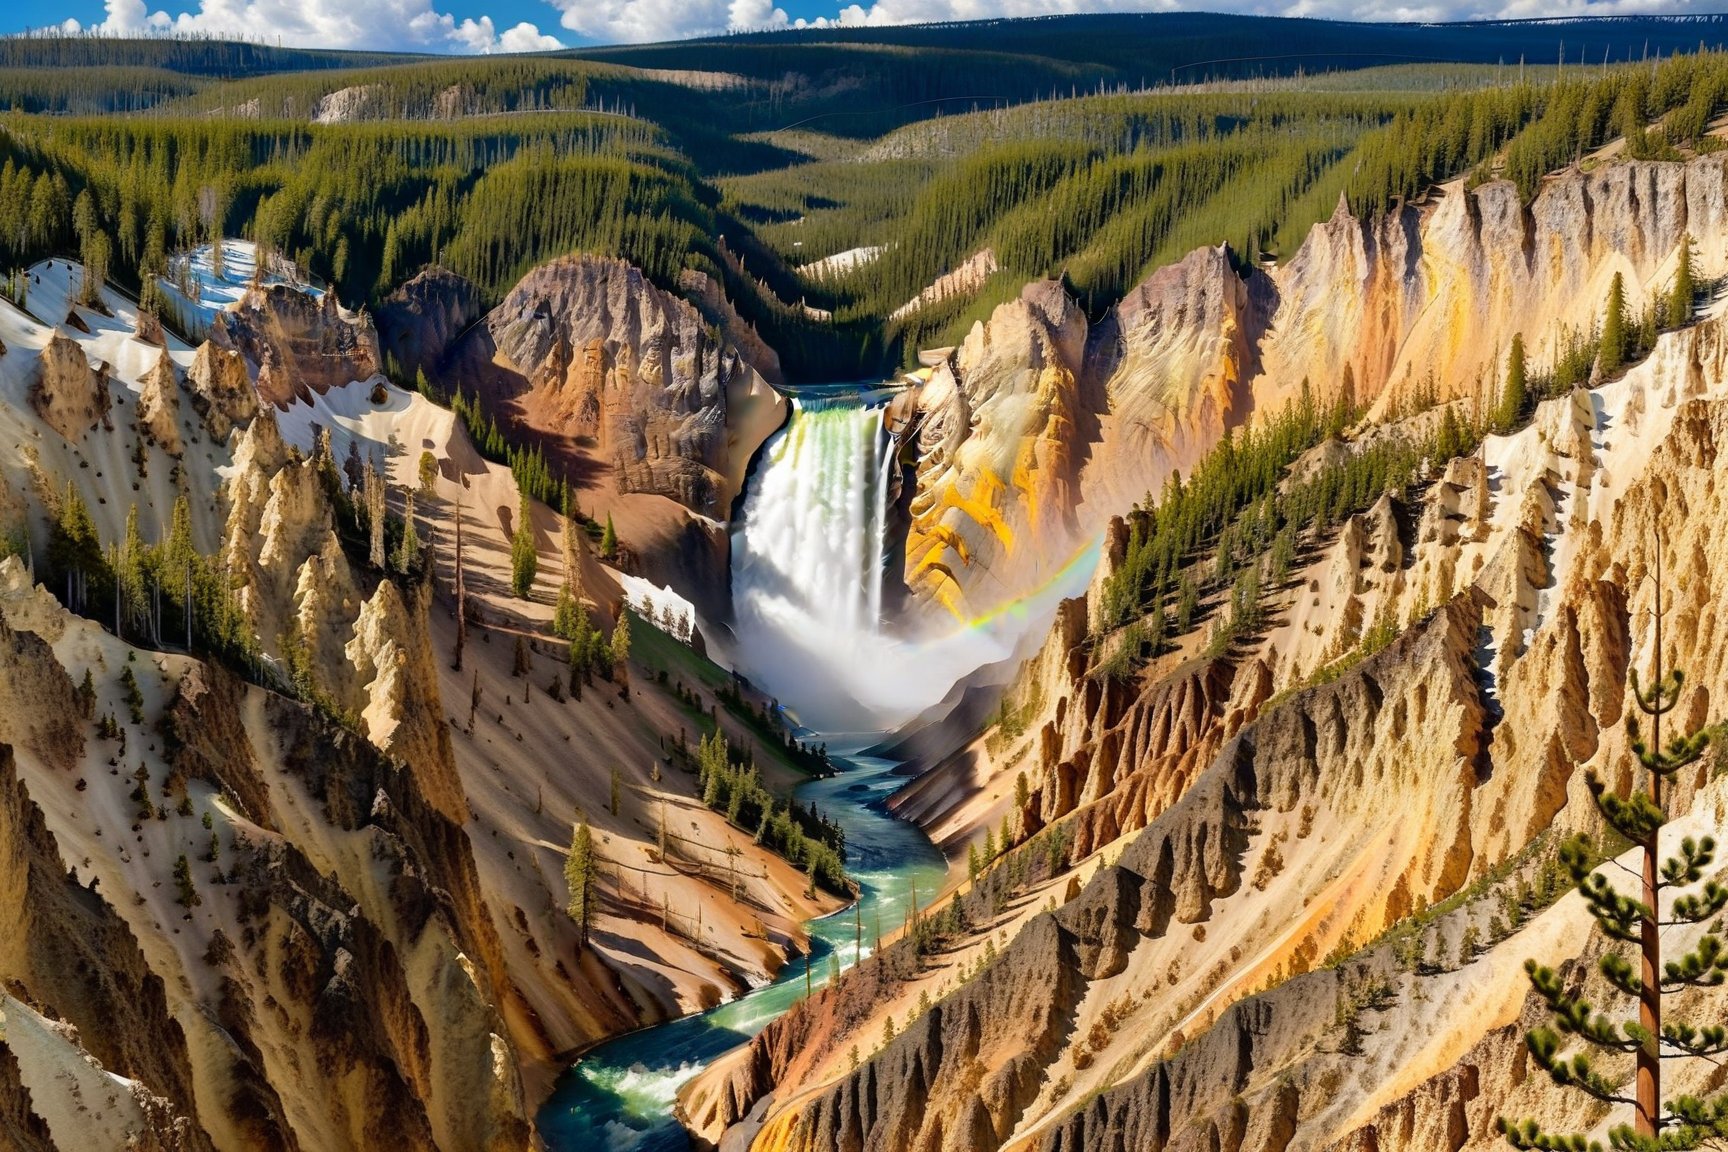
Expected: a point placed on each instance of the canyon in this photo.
(532, 714)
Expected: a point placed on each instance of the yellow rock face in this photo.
(1038, 428)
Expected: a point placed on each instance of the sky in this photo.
(471, 26)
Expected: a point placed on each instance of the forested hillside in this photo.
(720, 157)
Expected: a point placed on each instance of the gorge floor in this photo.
(620, 1095)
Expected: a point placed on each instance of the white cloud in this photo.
(402, 25)
(525, 37)
(755, 15)
(479, 36)
(642, 21)
(924, 11)
(417, 25)
(638, 21)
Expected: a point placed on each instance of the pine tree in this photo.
(428, 463)
(1685, 288)
(564, 615)
(583, 640)
(1187, 603)
(461, 594)
(408, 549)
(570, 544)
(1516, 393)
(1343, 412)
(621, 642)
(1614, 333)
(609, 540)
(1681, 1122)
(581, 870)
(524, 561)
(617, 791)
(375, 514)
(186, 892)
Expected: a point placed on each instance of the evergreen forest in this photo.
(730, 158)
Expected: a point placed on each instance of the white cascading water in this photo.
(807, 583)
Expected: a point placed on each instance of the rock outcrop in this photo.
(1420, 302)
(297, 343)
(329, 979)
(159, 406)
(1000, 443)
(624, 382)
(220, 388)
(1239, 845)
(71, 397)
(420, 321)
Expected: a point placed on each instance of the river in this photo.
(618, 1097)
(808, 558)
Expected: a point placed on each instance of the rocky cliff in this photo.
(297, 343)
(336, 921)
(70, 396)
(276, 992)
(626, 380)
(1256, 883)
(1038, 427)
(422, 319)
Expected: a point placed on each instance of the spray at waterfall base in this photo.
(809, 563)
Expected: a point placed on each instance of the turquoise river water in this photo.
(618, 1097)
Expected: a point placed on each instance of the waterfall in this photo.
(808, 560)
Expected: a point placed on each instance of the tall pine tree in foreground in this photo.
(1612, 357)
(581, 871)
(1672, 893)
(524, 560)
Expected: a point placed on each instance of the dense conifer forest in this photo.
(723, 156)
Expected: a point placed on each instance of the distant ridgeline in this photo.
(752, 157)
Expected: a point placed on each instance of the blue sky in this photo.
(526, 25)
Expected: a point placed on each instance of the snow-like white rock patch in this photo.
(653, 601)
(842, 262)
(211, 293)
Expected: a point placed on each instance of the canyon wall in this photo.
(1279, 894)
(336, 921)
(1038, 427)
(624, 378)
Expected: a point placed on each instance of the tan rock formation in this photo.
(1212, 830)
(159, 406)
(330, 987)
(626, 378)
(297, 343)
(70, 396)
(997, 445)
(221, 389)
(1424, 300)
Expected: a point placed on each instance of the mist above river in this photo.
(808, 563)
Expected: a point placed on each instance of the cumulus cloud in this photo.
(636, 21)
(479, 36)
(418, 25)
(404, 25)
(925, 11)
(640, 21)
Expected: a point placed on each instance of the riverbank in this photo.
(621, 1094)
